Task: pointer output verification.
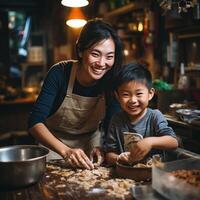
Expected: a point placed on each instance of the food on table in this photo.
(147, 163)
(64, 182)
(190, 176)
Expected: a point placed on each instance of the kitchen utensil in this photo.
(171, 187)
(188, 115)
(21, 165)
(130, 139)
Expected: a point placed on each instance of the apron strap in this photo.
(72, 79)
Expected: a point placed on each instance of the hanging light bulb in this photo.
(76, 18)
(74, 3)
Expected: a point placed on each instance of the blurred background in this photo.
(163, 34)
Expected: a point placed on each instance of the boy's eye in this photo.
(139, 93)
(125, 94)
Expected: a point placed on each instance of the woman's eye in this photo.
(110, 57)
(95, 54)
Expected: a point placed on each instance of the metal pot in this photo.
(187, 115)
(21, 165)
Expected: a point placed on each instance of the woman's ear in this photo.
(151, 93)
(78, 52)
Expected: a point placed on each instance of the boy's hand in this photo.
(97, 156)
(140, 149)
(123, 157)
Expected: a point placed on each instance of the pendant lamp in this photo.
(76, 18)
(74, 3)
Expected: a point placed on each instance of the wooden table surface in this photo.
(59, 183)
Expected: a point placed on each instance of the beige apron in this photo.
(77, 120)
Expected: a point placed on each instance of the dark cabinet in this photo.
(189, 134)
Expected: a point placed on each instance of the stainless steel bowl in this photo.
(21, 165)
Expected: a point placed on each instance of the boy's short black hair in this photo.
(134, 71)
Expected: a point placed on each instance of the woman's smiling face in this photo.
(98, 59)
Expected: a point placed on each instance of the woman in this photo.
(72, 103)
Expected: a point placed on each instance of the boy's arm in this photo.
(111, 158)
(166, 142)
(163, 138)
(143, 147)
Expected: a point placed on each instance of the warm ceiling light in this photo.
(76, 23)
(76, 18)
(74, 3)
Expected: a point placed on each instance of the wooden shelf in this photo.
(120, 11)
(40, 64)
(188, 36)
(127, 8)
(192, 70)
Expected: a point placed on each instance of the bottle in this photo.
(112, 4)
(183, 82)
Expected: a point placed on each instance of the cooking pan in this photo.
(21, 165)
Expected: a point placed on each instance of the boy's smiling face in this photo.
(134, 97)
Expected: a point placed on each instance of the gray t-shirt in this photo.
(152, 124)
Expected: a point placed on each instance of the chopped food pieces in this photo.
(99, 181)
(147, 163)
(190, 176)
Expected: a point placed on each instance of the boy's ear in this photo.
(151, 93)
(116, 95)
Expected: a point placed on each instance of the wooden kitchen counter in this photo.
(67, 184)
(25, 100)
(62, 183)
(14, 114)
(188, 133)
(174, 120)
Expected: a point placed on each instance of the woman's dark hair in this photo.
(93, 32)
(132, 72)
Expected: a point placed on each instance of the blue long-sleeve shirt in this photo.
(54, 91)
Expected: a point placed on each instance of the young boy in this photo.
(133, 89)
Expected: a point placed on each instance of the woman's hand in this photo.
(77, 158)
(140, 149)
(96, 156)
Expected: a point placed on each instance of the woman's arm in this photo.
(41, 133)
(75, 157)
(50, 97)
